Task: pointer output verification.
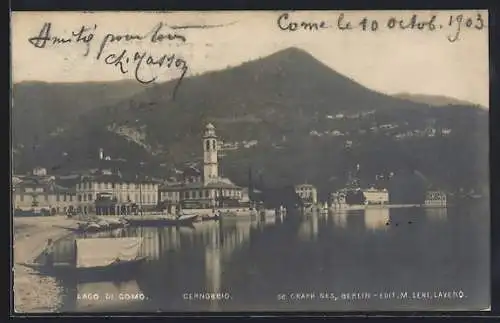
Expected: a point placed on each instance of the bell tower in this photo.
(210, 162)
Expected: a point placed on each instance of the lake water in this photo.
(351, 261)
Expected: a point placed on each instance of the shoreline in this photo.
(34, 293)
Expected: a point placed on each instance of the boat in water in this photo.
(214, 217)
(162, 220)
(99, 225)
(98, 259)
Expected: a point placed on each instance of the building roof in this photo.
(384, 190)
(115, 178)
(48, 187)
(198, 185)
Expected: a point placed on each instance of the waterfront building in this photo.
(307, 193)
(113, 194)
(202, 189)
(376, 196)
(41, 192)
(358, 196)
(435, 198)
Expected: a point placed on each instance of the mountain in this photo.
(310, 123)
(435, 100)
(40, 109)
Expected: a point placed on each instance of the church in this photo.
(204, 189)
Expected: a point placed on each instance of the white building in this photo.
(435, 198)
(39, 171)
(375, 196)
(124, 192)
(307, 193)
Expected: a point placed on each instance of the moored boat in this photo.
(210, 217)
(98, 259)
(162, 220)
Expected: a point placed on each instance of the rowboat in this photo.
(98, 259)
(162, 220)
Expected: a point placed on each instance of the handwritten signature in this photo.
(141, 59)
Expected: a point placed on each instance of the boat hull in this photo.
(115, 272)
(161, 222)
(210, 218)
(101, 229)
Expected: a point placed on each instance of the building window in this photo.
(207, 144)
(186, 194)
(112, 185)
(90, 197)
(79, 198)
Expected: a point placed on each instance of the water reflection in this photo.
(308, 229)
(377, 218)
(255, 259)
(339, 219)
(436, 214)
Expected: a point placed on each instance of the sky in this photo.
(386, 60)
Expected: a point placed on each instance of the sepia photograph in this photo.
(230, 161)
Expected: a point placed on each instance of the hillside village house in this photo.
(202, 188)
